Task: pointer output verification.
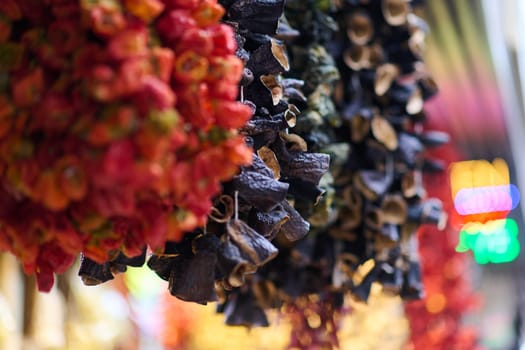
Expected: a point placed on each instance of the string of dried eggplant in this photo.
(284, 174)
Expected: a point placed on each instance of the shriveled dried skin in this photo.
(261, 191)
(257, 248)
(162, 265)
(268, 223)
(233, 265)
(192, 279)
(306, 166)
(259, 165)
(296, 227)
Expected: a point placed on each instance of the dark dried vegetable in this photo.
(241, 309)
(288, 168)
(191, 277)
(261, 191)
(93, 273)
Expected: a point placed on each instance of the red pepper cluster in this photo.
(118, 122)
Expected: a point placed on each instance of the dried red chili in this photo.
(96, 129)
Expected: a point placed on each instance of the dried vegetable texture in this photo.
(118, 123)
(365, 86)
(383, 88)
(257, 207)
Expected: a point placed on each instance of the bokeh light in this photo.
(486, 199)
(483, 197)
(493, 242)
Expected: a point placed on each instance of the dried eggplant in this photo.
(268, 223)
(261, 191)
(296, 227)
(191, 278)
(241, 309)
(93, 273)
(254, 246)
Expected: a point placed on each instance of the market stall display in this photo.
(262, 154)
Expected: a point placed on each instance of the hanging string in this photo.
(236, 205)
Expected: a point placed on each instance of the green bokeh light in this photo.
(143, 283)
(493, 242)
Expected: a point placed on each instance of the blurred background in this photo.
(477, 57)
(476, 53)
